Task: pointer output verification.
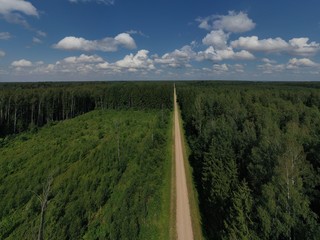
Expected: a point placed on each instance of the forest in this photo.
(85, 160)
(24, 106)
(255, 153)
(93, 160)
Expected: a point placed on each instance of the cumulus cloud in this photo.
(106, 45)
(83, 64)
(5, 35)
(295, 46)
(177, 58)
(125, 40)
(225, 54)
(89, 64)
(239, 68)
(254, 44)
(225, 69)
(83, 58)
(216, 38)
(21, 63)
(104, 65)
(267, 60)
(269, 68)
(295, 63)
(13, 10)
(233, 22)
(132, 62)
(220, 68)
(106, 2)
(2, 53)
(301, 47)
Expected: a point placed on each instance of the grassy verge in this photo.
(168, 192)
(173, 207)
(192, 192)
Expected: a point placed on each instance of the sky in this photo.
(93, 40)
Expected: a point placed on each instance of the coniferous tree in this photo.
(239, 224)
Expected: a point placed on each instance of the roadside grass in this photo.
(169, 213)
(173, 207)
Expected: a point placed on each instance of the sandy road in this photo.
(183, 217)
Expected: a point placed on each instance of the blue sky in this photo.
(68, 40)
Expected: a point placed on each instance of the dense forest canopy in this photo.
(28, 105)
(255, 150)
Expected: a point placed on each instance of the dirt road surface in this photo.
(183, 217)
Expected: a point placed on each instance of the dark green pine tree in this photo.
(219, 178)
(239, 224)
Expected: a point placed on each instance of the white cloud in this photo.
(225, 54)
(83, 64)
(83, 59)
(2, 53)
(5, 35)
(254, 44)
(12, 11)
(295, 46)
(9, 6)
(132, 32)
(74, 43)
(89, 65)
(43, 69)
(269, 68)
(177, 58)
(106, 45)
(125, 40)
(216, 38)
(220, 68)
(21, 63)
(225, 69)
(239, 68)
(138, 61)
(106, 2)
(233, 22)
(301, 47)
(267, 60)
(104, 65)
(295, 63)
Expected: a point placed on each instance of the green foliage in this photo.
(285, 208)
(108, 177)
(256, 157)
(28, 106)
(239, 224)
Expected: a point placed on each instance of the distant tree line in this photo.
(25, 106)
(255, 151)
